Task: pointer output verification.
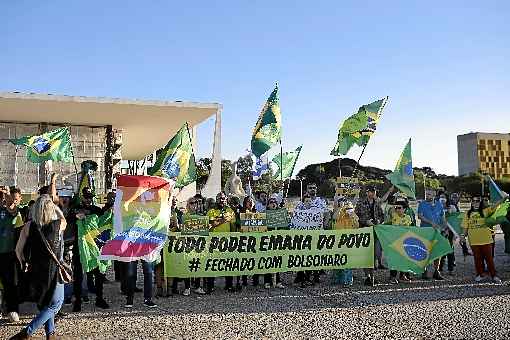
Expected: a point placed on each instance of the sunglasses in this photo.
(399, 208)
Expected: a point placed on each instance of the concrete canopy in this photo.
(146, 125)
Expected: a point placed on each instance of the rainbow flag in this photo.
(141, 216)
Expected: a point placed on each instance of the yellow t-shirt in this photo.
(345, 221)
(477, 231)
(404, 220)
(228, 214)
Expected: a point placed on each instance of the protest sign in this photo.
(307, 219)
(195, 225)
(251, 222)
(277, 219)
(233, 254)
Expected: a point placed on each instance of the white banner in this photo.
(307, 219)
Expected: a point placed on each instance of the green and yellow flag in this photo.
(54, 145)
(268, 130)
(286, 163)
(177, 160)
(93, 231)
(358, 128)
(403, 176)
(411, 249)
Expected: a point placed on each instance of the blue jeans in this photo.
(46, 315)
(148, 273)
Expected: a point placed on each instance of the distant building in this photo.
(488, 153)
(104, 130)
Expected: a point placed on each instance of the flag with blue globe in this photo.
(177, 161)
(411, 249)
(53, 145)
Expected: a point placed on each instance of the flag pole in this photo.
(15, 179)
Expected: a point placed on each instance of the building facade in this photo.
(488, 153)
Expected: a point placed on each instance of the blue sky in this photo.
(444, 65)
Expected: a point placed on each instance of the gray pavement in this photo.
(456, 308)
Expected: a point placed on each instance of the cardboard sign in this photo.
(195, 225)
(307, 219)
(277, 219)
(251, 222)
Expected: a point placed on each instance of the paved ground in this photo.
(455, 308)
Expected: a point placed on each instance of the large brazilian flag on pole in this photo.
(268, 130)
(54, 145)
(411, 249)
(177, 161)
(358, 128)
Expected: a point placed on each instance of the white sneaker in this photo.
(497, 280)
(279, 285)
(14, 317)
(267, 285)
(186, 292)
(478, 278)
(199, 291)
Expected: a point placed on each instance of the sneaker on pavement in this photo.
(279, 285)
(149, 304)
(200, 291)
(101, 303)
(496, 279)
(267, 285)
(13, 317)
(394, 281)
(478, 278)
(186, 292)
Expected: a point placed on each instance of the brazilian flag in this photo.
(403, 176)
(268, 130)
(411, 249)
(93, 232)
(177, 161)
(286, 163)
(358, 128)
(53, 145)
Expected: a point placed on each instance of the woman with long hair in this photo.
(480, 239)
(44, 231)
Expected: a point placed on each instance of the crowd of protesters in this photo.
(33, 234)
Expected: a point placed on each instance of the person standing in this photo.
(95, 279)
(431, 215)
(43, 237)
(344, 217)
(399, 218)
(10, 221)
(480, 239)
(222, 219)
(370, 213)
